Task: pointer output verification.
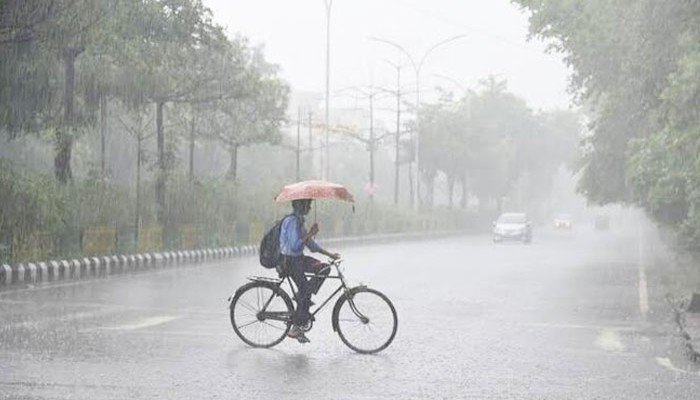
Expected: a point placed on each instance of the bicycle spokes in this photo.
(260, 316)
(367, 321)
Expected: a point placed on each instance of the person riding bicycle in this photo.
(293, 238)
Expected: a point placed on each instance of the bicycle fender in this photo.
(336, 307)
(243, 287)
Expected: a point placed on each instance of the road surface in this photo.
(574, 315)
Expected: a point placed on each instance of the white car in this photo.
(512, 226)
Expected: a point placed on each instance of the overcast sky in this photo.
(293, 34)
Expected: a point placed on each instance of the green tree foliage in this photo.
(30, 202)
(165, 71)
(637, 63)
(255, 113)
(621, 54)
(488, 140)
(63, 60)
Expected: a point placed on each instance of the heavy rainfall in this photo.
(405, 199)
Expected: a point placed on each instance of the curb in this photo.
(103, 266)
(679, 314)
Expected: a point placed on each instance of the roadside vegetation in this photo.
(636, 70)
(143, 125)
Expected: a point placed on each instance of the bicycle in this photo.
(261, 313)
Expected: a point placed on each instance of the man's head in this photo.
(301, 206)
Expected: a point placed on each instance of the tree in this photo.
(635, 65)
(178, 55)
(621, 54)
(489, 140)
(256, 113)
(42, 41)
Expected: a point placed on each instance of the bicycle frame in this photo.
(342, 287)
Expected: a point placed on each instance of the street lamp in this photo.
(417, 66)
(329, 4)
(397, 137)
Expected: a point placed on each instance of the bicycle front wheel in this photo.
(261, 314)
(366, 320)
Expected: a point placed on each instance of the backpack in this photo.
(270, 256)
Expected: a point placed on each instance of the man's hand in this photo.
(314, 230)
(311, 233)
(334, 256)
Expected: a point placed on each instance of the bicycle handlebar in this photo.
(335, 261)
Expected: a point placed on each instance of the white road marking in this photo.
(555, 325)
(666, 363)
(196, 334)
(66, 318)
(52, 285)
(193, 311)
(143, 323)
(609, 340)
(643, 292)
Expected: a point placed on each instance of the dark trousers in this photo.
(296, 267)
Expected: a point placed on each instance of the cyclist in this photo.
(293, 238)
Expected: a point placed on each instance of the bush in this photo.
(31, 203)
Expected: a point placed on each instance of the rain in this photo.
(327, 199)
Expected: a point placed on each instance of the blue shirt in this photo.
(292, 234)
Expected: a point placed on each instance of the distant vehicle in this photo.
(512, 226)
(602, 222)
(563, 221)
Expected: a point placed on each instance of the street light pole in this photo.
(326, 171)
(298, 148)
(397, 162)
(397, 136)
(417, 69)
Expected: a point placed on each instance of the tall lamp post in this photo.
(417, 66)
(327, 170)
(397, 137)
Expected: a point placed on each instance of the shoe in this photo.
(298, 334)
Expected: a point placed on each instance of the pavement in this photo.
(574, 315)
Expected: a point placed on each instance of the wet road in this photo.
(563, 318)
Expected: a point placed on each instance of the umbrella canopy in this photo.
(314, 190)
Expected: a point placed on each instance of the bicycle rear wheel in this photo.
(366, 321)
(261, 314)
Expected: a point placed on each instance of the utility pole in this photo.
(417, 66)
(298, 151)
(397, 137)
(103, 134)
(311, 144)
(137, 216)
(192, 140)
(326, 172)
(371, 142)
(371, 145)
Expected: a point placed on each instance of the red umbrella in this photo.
(314, 190)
